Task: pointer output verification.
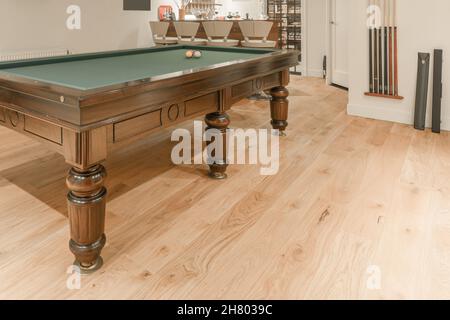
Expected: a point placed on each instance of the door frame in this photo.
(328, 50)
(329, 41)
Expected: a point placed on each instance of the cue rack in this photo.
(383, 49)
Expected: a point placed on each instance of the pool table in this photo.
(84, 106)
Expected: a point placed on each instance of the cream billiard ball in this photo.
(189, 54)
(197, 54)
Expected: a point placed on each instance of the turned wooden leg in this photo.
(86, 202)
(219, 121)
(279, 108)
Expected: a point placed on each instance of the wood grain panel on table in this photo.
(202, 104)
(43, 129)
(241, 90)
(140, 124)
(48, 134)
(270, 81)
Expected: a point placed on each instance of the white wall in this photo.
(315, 37)
(41, 24)
(253, 7)
(38, 24)
(423, 26)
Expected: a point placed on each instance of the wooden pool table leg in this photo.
(86, 204)
(85, 151)
(279, 106)
(219, 121)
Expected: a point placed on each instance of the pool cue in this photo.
(380, 53)
(375, 54)
(381, 49)
(375, 60)
(371, 80)
(391, 80)
(395, 50)
(383, 58)
(386, 59)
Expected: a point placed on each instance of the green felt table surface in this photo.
(101, 71)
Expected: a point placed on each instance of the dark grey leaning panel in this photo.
(437, 90)
(423, 70)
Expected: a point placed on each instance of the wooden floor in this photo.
(355, 201)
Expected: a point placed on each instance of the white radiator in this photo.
(33, 55)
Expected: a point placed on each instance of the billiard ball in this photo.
(197, 54)
(189, 54)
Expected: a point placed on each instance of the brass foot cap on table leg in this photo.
(85, 270)
(279, 133)
(217, 175)
(279, 125)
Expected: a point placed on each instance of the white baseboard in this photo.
(388, 114)
(340, 78)
(380, 113)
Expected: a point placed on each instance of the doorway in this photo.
(338, 13)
